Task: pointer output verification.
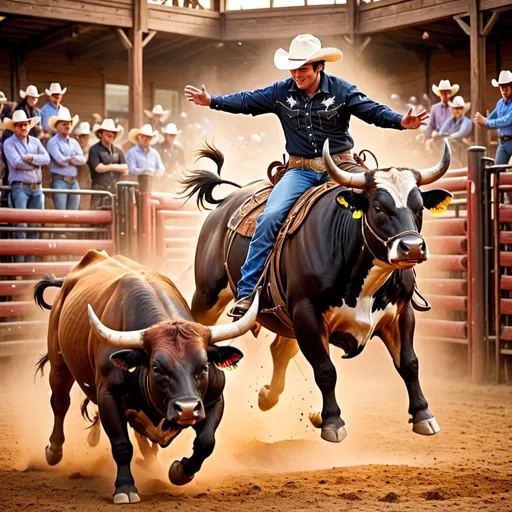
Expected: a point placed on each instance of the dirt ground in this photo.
(276, 460)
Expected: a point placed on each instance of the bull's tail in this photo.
(41, 286)
(40, 365)
(203, 182)
(85, 413)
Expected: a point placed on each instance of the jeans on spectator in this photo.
(65, 201)
(503, 153)
(281, 200)
(22, 198)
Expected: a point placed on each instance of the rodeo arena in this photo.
(205, 311)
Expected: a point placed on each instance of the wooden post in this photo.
(135, 63)
(478, 71)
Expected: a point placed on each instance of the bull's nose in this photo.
(188, 410)
(409, 248)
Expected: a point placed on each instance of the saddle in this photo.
(243, 222)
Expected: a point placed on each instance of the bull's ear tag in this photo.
(441, 207)
(341, 200)
(357, 214)
(131, 370)
(232, 367)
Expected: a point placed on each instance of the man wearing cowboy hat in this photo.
(311, 106)
(82, 134)
(106, 161)
(501, 118)
(457, 127)
(29, 98)
(3, 110)
(25, 155)
(66, 155)
(440, 112)
(173, 156)
(157, 115)
(53, 106)
(142, 158)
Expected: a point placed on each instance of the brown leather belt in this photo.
(67, 179)
(32, 186)
(505, 138)
(317, 164)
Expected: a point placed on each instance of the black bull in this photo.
(346, 277)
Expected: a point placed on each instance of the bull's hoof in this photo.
(93, 437)
(177, 476)
(427, 427)
(333, 433)
(123, 498)
(316, 419)
(265, 400)
(53, 458)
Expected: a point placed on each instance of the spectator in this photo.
(66, 155)
(158, 117)
(106, 161)
(173, 157)
(3, 110)
(459, 126)
(25, 155)
(142, 158)
(440, 112)
(83, 135)
(501, 118)
(53, 106)
(29, 99)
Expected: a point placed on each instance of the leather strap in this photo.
(317, 164)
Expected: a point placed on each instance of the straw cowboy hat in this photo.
(147, 129)
(84, 128)
(157, 110)
(504, 79)
(55, 88)
(171, 129)
(458, 102)
(3, 98)
(445, 85)
(303, 49)
(107, 125)
(20, 116)
(64, 115)
(31, 90)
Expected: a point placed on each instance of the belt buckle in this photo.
(69, 179)
(34, 186)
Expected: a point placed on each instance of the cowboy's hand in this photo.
(480, 120)
(27, 158)
(198, 96)
(413, 121)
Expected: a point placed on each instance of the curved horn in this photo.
(125, 339)
(229, 331)
(344, 178)
(436, 172)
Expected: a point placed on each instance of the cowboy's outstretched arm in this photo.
(500, 122)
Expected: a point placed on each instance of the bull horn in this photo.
(346, 179)
(436, 172)
(229, 331)
(125, 339)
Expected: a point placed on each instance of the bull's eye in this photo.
(377, 209)
(156, 371)
(206, 367)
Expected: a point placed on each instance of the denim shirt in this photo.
(307, 122)
(19, 170)
(453, 129)
(501, 118)
(140, 161)
(61, 150)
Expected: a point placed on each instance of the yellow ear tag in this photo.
(357, 214)
(131, 370)
(342, 201)
(441, 207)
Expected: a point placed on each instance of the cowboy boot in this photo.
(241, 306)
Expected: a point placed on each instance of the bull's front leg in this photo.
(116, 427)
(314, 344)
(182, 472)
(399, 340)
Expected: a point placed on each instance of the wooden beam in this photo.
(147, 39)
(463, 25)
(490, 23)
(136, 79)
(141, 11)
(352, 17)
(125, 41)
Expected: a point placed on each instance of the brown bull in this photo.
(150, 367)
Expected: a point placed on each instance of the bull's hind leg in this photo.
(399, 341)
(61, 382)
(283, 350)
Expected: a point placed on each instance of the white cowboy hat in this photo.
(64, 115)
(171, 129)
(147, 129)
(504, 78)
(303, 49)
(107, 125)
(157, 110)
(31, 90)
(445, 85)
(20, 116)
(84, 128)
(55, 88)
(458, 102)
(3, 98)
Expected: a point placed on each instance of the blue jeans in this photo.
(24, 197)
(65, 201)
(503, 153)
(282, 198)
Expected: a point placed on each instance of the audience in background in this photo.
(142, 158)
(173, 158)
(53, 106)
(29, 98)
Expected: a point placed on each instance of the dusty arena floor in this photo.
(276, 460)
